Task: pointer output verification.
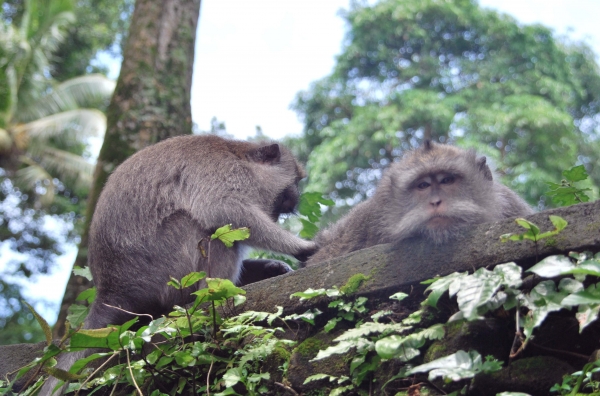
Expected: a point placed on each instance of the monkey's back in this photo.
(156, 207)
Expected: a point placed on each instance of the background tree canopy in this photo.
(453, 72)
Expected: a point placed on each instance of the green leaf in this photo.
(88, 295)
(591, 295)
(310, 205)
(575, 174)
(403, 348)
(398, 296)
(552, 266)
(85, 272)
(308, 316)
(440, 286)
(460, 365)
(175, 283)
(217, 290)
(232, 376)
(192, 278)
(228, 236)
(309, 293)
(309, 230)
(558, 222)
(330, 325)
(92, 338)
(42, 322)
(77, 314)
(318, 377)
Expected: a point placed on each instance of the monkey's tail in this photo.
(64, 362)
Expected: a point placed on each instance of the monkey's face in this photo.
(440, 204)
(286, 202)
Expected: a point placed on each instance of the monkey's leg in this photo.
(254, 270)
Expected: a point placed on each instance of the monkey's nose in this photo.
(435, 202)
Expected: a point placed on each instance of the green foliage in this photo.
(566, 193)
(449, 71)
(228, 236)
(310, 207)
(212, 364)
(533, 231)
(458, 366)
(584, 380)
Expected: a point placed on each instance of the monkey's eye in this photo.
(422, 185)
(448, 180)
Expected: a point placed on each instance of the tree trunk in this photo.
(151, 101)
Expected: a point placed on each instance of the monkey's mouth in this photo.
(440, 222)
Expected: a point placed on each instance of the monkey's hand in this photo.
(305, 254)
(255, 270)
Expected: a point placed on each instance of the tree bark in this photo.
(151, 102)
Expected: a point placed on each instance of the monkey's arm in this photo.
(264, 233)
(254, 270)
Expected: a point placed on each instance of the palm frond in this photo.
(85, 91)
(34, 178)
(81, 122)
(67, 166)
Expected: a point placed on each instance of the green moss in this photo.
(453, 328)
(550, 242)
(436, 350)
(282, 354)
(310, 347)
(354, 283)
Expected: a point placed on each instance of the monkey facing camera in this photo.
(433, 192)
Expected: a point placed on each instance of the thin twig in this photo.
(208, 378)
(129, 312)
(287, 388)
(116, 353)
(131, 372)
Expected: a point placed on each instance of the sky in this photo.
(253, 57)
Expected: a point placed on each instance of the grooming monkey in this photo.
(432, 192)
(160, 203)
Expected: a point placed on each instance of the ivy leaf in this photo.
(400, 347)
(591, 295)
(552, 266)
(228, 236)
(460, 365)
(440, 286)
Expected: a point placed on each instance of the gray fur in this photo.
(394, 213)
(160, 203)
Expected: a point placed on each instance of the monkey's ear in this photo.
(265, 154)
(487, 173)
